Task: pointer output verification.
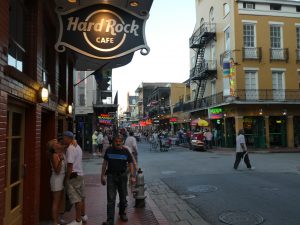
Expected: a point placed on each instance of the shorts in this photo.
(75, 189)
(57, 182)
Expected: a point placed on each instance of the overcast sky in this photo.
(168, 29)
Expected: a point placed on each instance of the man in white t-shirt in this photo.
(241, 150)
(74, 178)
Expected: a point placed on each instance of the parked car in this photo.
(197, 142)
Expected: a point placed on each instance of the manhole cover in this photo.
(168, 172)
(202, 188)
(270, 189)
(187, 196)
(241, 218)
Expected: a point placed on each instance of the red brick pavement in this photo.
(96, 207)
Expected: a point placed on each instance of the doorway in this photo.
(15, 166)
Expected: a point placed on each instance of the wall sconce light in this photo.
(134, 4)
(44, 95)
(260, 111)
(70, 109)
(225, 115)
(284, 112)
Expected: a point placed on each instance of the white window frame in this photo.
(249, 92)
(226, 9)
(255, 35)
(279, 94)
(281, 34)
(227, 30)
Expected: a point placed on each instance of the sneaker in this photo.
(84, 218)
(124, 218)
(75, 223)
(252, 168)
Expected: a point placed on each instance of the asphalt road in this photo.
(271, 191)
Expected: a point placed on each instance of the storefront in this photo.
(255, 131)
(278, 131)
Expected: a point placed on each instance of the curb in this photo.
(161, 219)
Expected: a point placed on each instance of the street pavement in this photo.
(190, 187)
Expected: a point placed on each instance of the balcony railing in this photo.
(102, 98)
(274, 95)
(252, 53)
(298, 55)
(279, 54)
(206, 29)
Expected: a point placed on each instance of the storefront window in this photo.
(278, 131)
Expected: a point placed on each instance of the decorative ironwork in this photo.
(206, 30)
(280, 54)
(252, 53)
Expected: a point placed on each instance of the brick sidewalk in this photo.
(96, 207)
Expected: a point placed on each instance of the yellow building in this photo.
(245, 70)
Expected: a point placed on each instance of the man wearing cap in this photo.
(74, 178)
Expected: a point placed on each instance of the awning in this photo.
(199, 122)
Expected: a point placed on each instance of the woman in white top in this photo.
(58, 165)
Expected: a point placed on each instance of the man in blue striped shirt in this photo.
(116, 161)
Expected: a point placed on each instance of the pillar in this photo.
(290, 132)
(267, 126)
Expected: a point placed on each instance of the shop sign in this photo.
(102, 31)
(105, 119)
(173, 120)
(216, 113)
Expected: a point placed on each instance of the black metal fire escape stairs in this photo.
(202, 70)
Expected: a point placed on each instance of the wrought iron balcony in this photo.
(298, 55)
(205, 33)
(204, 69)
(105, 98)
(274, 95)
(279, 54)
(252, 54)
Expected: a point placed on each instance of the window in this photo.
(297, 8)
(249, 35)
(276, 36)
(251, 85)
(278, 85)
(227, 39)
(248, 5)
(16, 50)
(298, 37)
(82, 99)
(226, 9)
(275, 7)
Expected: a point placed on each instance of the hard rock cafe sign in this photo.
(102, 32)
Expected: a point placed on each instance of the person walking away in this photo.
(105, 143)
(241, 151)
(116, 160)
(208, 137)
(100, 143)
(94, 142)
(131, 143)
(74, 178)
(58, 167)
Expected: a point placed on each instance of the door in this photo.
(15, 166)
(278, 85)
(251, 85)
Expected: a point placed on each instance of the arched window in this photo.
(226, 8)
(211, 15)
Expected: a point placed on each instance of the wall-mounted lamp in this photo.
(260, 111)
(225, 115)
(284, 112)
(70, 109)
(134, 4)
(44, 95)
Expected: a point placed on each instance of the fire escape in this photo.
(203, 69)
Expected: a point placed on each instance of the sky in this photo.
(168, 30)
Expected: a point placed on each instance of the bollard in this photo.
(139, 192)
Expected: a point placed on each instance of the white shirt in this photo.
(240, 139)
(74, 156)
(100, 139)
(131, 144)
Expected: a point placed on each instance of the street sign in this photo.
(102, 31)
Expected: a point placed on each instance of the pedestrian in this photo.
(100, 143)
(208, 138)
(74, 178)
(58, 168)
(94, 142)
(131, 143)
(116, 160)
(241, 151)
(105, 143)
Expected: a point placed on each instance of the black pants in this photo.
(116, 183)
(239, 156)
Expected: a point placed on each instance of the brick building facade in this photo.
(29, 62)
